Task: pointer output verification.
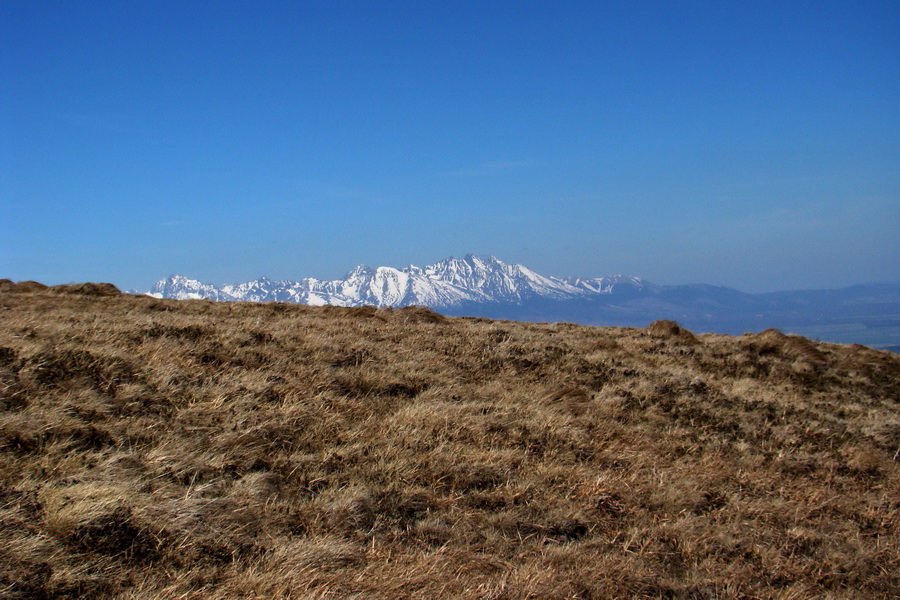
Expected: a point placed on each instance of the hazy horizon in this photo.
(401, 267)
(748, 145)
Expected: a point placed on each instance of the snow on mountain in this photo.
(448, 283)
(182, 288)
(606, 285)
(501, 282)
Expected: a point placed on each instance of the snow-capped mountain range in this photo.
(488, 287)
(450, 283)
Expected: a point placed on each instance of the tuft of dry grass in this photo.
(156, 448)
(671, 330)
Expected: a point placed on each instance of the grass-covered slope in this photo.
(153, 448)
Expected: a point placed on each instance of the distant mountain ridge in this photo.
(488, 287)
(450, 283)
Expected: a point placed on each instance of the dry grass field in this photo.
(190, 449)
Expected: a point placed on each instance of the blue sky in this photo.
(748, 144)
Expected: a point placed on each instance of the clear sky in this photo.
(749, 144)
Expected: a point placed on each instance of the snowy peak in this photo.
(360, 271)
(448, 283)
(498, 280)
(182, 288)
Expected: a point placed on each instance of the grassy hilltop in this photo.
(190, 449)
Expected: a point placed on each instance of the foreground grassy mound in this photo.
(153, 448)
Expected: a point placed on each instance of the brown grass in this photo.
(164, 449)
